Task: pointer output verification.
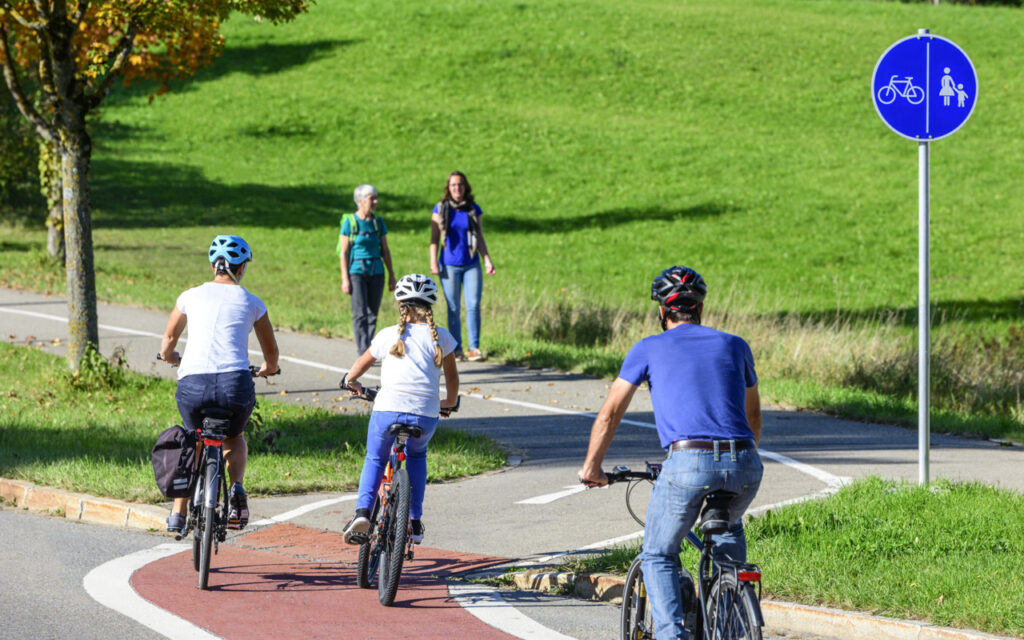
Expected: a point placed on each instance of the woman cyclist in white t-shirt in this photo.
(215, 368)
(413, 354)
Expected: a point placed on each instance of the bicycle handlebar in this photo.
(370, 394)
(253, 371)
(623, 473)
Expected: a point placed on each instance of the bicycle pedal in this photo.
(359, 537)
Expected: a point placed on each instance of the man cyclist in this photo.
(708, 413)
(215, 368)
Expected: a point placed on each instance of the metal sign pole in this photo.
(923, 317)
(924, 88)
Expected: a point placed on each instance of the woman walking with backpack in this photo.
(363, 253)
(456, 226)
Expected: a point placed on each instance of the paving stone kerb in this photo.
(782, 617)
(82, 507)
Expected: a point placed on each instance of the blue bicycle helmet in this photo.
(231, 248)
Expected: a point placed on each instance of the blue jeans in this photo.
(452, 280)
(686, 477)
(233, 390)
(378, 451)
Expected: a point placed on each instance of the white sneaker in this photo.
(354, 530)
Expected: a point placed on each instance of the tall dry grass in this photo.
(970, 372)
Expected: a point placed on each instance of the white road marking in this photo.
(312, 506)
(551, 497)
(110, 585)
(487, 604)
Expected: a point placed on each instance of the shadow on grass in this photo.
(129, 195)
(607, 219)
(253, 60)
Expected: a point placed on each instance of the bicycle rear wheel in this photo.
(637, 623)
(208, 522)
(395, 539)
(732, 609)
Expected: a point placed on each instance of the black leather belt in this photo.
(709, 445)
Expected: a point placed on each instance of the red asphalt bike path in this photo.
(290, 582)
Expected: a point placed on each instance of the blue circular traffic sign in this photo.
(924, 87)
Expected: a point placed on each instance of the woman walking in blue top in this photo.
(363, 251)
(456, 226)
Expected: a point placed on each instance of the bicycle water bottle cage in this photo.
(714, 519)
(408, 430)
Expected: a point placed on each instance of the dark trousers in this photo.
(367, 292)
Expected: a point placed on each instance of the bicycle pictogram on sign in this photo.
(913, 93)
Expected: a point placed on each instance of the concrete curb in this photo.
(782, 617)
(82, 507)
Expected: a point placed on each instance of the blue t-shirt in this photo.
(699, 378)
(456, 247)
(364, 250)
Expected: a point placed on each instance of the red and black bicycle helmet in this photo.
(679, 289)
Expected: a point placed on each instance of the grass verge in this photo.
(94, 434)
(951, 554)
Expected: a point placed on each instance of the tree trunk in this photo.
(49, 181)
(83, 326)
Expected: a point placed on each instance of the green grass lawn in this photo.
(95, 436)
(950, 554)
(605, 140)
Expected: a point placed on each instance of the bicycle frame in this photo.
(384, 491)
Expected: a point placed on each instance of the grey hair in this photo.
(362, 192)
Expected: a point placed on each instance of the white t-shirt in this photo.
(410, 384)
(220, 317)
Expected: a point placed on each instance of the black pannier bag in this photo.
(174, 456)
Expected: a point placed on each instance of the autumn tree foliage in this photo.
(74, 52)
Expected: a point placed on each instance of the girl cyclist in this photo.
(215, 368)
(412, 355)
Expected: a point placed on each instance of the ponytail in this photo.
(433, 333)
(398, 349)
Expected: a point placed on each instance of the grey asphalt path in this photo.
(41, 572)
(537, 416)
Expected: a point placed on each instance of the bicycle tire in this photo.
(369, 553)
(395, 539)
(889, 95)
(193, 514)
(636, 620)
(732, 609)
(915, 94)
(209, 523)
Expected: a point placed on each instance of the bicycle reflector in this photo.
(748, 576)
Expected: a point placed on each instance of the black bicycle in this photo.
(387, 545)
(207, 518)
(724, 607)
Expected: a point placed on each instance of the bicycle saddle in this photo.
(714, 518)
(217, 413)
(409, 430)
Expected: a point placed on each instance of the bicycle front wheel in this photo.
(637, 623)
(395, 538)
(733, 610)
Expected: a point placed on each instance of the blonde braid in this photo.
(398, 350)
(433, 333)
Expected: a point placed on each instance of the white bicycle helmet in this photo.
(416, 288)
